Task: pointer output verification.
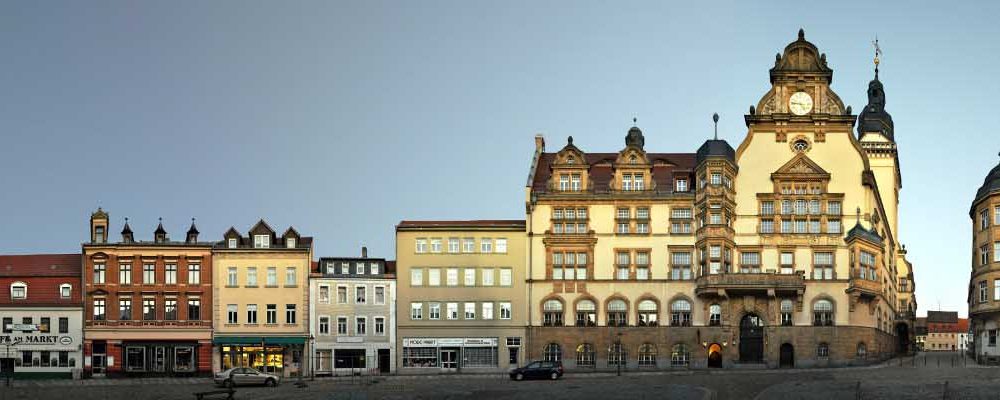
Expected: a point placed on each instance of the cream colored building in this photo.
(461, 295)
(262, 300)
(783, 251)
(984, 283)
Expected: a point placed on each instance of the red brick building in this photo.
(148, 304)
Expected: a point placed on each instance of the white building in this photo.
(41, 314)
(352, 306)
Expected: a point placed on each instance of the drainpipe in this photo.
(530, 332)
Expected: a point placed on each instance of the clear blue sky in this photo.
(342, 118)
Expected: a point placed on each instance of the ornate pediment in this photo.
(800, 167)
(632, 157)
(570, 156)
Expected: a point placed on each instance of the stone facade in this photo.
(984, 283)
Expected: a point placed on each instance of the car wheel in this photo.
(554, 376)
(270, 382)
(519, 377)
(229, 383)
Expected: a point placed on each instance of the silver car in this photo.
(245, 376)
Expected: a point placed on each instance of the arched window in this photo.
(18, 290)
(648, 313)
(801, 145)
(823, 313)
(632, 160)
(552, 352)
(862, 351)
(585, 355)
(553, 313)
(586, 313)
(647, 355)
(617, 313)
(617, 355)
(786, 312)
(715, 315)
(65, 290)
(680, 356)
(680, 313)
(823, 350)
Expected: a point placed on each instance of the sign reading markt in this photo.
(7, 340)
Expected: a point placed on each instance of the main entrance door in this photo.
(449, 360)
(98, 365)
(383, 361)
(902, 338)
(715, 356)
(751, 339)
(787, 358)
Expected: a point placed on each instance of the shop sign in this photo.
(419, 342)
(482, 342)
(8, 340)
(451, 342)
(22, 327)
(350, 339)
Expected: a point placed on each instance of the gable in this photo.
(800, 167)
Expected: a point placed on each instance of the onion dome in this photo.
(874, 118)
(715, 147)
(634, 137)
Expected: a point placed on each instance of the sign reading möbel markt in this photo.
(36, 339)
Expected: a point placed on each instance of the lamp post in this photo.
(312, 357)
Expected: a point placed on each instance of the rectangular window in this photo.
(766, 226)
(360, 268)
(453, 245)
(231, 276)
(680, 213)
(487, 276)
(575, 183)
(170, 310)
(416, 311)
(501, 245)
(506, 278)
(272, 276)
(194, 274)
(814, 226)
(767, 208)
(622, 228)
(360, 295)
(231, 243)
(98, 273)
(505, 309)
(716, 179)
(623, 258)
(290, 313)
(416, 277)
(833, 226)
(800, 226)
(786, 226)
(487, 311)
(379, 295)
(452, 277)
(194, 309)
(379, 326)
(261, 241)
(564, 182)
(984, 255)
(639, 182)
(786, 207)
(996, 251)
(451, 311)
(271, 314)
(124, 309)
(470, 277)
(148, 309)
(251, 276)
(341, 325)
(992, 338)
(470, 310)
(626, 182)
(360, 326)
(982, 291)
(291, 276)
(125, 274)
(833, 207)
(63, 325)
(435, 245)
(486, 245)
(468, 245)
(681, 185)
(622, 273)
(374, 267)
(324, 325)
(420, 246)
(232, 314)
(814, 207)
(170, 275)
(341, 294)
(433, 276)
(984, 219)
(252, 315)
(434, 311)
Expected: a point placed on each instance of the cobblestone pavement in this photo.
(923, 377)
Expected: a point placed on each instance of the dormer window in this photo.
(639, 182)
(627, 182)
(681, 185)
(570, 160)
(261, 241)
(374, 268)
(65, 290)
(18, 291)
(575, 182)
(99, 234)
(231, 243)
(564, 182)
(290, 243)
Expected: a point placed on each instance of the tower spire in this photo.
(715, 120)
(878, 55)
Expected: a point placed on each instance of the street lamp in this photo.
(618, 352)
(312, 357)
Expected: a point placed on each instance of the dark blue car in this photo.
(538, 370)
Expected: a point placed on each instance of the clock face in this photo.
(800, 103)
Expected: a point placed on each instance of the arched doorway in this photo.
(787, 358)
(715, 356)
(751, 339)
(902, 338)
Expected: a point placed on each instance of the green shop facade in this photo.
(279, 355)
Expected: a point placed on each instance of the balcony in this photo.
(864, 288)
(768, 284)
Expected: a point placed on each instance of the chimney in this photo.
(540, 143)
(364, 252)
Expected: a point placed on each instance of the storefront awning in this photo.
(250, 340)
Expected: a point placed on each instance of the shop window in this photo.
(183, 359)
(419, 357)
(135, 359)
(585, 355)
(552, 352)
(680, 356)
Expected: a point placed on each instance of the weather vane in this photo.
(878, 54)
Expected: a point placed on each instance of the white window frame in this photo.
(376, 295)
(293, 273)
(434, 311)
(470, 311)
(470, 277)
(231, 278)
(420, 246)
(24, 291)
(231, 243)
(290, 243)
(319, 294)
(252, 276)
(487, 276)
(65, 290)
(360, 294)
(435, 245)
(261, 241)
(272, 277)
(346, 325)
(454, 245)
(361, 326)
(487, 310)
(376, 322)
(451, 277)
(417, 277)
(468, 245)
(320, 323)
(451, 311)
(505, 306)
(433, 276)
(416, 311)
(347, 296)
(506, 277)
(486, 245)
(500, 245)
(194, 271)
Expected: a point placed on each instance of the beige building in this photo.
(984, 283)
(262, 300)
(461, 295)
(783, 251)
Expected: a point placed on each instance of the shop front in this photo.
(42, 355)
(160, 358)
(276, 355)
(449, 354)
